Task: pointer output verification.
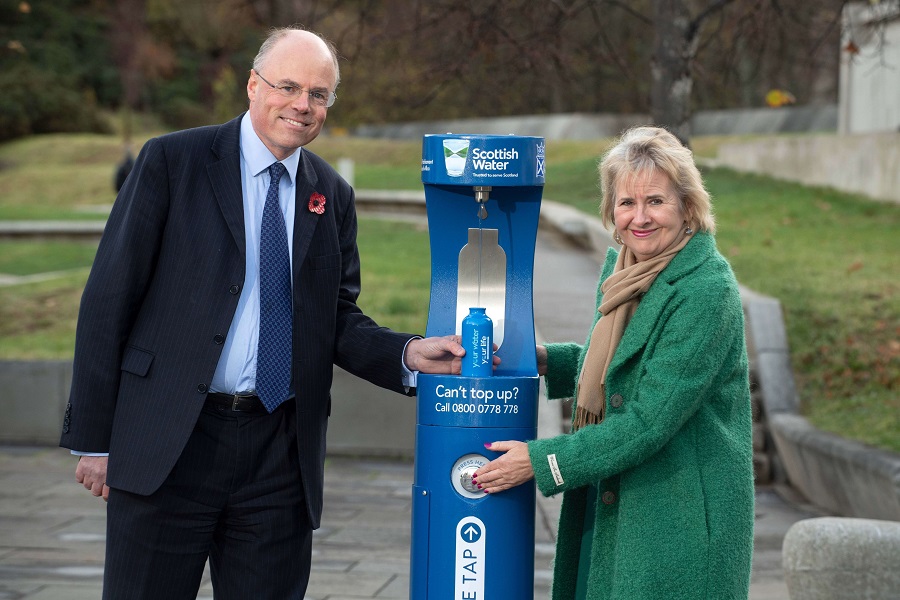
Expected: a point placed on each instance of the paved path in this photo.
(52, 530)
(52, 533)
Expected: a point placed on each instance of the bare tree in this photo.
(431, 59)
(676, 38)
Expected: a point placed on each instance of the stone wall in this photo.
(867, 164)
(592, 126)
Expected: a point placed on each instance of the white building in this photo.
(869, 98)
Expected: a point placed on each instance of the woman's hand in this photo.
(511, 469)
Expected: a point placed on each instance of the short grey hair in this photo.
(278, 33)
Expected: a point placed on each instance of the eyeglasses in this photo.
(322, 98)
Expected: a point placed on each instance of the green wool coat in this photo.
(672, 460)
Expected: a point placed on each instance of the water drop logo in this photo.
(455, 153)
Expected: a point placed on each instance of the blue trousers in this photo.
(234, 498)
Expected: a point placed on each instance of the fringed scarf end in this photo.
(585, 417)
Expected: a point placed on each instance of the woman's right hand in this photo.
(509, 470)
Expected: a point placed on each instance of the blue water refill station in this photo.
(483, 196)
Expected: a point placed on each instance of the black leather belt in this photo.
(236, 403)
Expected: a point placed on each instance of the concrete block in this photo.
(842, 476)
(768, 345)
(34, 401)
(865, 163)
(764, 321)
(776, 382)
(367, 420)
(832, 558)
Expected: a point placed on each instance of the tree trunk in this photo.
(675, 44)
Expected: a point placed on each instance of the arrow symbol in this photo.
(472, 532)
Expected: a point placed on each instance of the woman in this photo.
(657, 474)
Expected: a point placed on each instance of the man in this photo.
(205, 344)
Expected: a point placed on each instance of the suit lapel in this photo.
(304, 220)
(225, 178)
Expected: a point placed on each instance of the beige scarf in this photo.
(622, 292)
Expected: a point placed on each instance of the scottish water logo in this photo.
(455, 153)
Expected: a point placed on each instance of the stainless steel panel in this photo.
(482, 279)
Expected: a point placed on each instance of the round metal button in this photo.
(461, 475)
(465, 480)
(616, 400)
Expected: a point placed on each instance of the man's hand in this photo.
(91, 473)
(541, 354)
(441, 355)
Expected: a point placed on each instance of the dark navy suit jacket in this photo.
(162, 293)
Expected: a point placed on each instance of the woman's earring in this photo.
(617, 237)
(688, 231)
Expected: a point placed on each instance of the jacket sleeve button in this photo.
(616, 400)
(234, 289)
(608, 498)
(218, 338)
(202, 388)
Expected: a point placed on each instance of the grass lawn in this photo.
(832, 261)
(829, 257)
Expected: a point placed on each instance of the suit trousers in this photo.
(235, 498)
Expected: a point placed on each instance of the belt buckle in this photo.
(237, 398)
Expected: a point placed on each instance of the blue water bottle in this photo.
(478, 340)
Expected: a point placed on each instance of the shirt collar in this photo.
(258, 157)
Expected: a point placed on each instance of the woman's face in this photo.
(647, 213)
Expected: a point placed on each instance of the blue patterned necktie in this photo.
(273, 356)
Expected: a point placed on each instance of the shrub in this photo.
(37, 101)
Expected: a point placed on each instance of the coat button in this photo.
(218, 338)
(608, 498)
(616, 400)
(202, 388)
(234, 289)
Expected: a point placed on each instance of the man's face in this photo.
(300, 60)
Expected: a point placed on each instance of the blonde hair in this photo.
(642, 150)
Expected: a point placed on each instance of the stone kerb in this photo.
(842, 559)
(841, 476)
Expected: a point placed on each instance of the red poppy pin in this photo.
(317, 203)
